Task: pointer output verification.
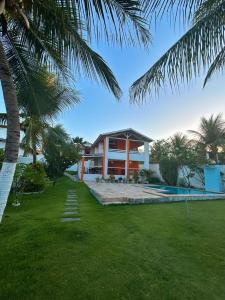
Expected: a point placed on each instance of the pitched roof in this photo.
(124, 133)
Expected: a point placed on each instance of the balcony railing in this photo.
(117, 150)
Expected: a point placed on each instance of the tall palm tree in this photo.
(201, 47)
(41, 106)
(56, 32)
(211, 134)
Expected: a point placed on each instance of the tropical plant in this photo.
(169, 170)
(79, 142)
(211, 135)
(201, 47)
(146, 175)
(190, 156)
(33, 178)
(159, 149)
(41, 106)
(59, 151)
(55, 31)
(112, 178)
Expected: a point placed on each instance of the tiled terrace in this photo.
(119, 193)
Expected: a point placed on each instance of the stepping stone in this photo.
(71, 204)
(70, 219)
(71, 201)
(71, 213)
(71, 209)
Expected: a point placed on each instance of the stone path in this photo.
(71, 213)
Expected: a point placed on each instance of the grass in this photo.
(166, 251)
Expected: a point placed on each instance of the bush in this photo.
(33, 178)
(136, 178)
(112, 178)
(154, 180)
(146, 175)
(169, 170)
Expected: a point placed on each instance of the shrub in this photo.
(112, 178)
(169, 170)
(146, 175)
(154, 180)
(33, 178)
(136, 178)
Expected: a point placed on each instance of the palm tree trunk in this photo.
(13, 130)
(34, 151)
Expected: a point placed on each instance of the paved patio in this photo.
(119, 193)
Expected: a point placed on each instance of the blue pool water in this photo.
(165, 189)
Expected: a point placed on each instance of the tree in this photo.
(55, 32)
(201, 47)
(79, 143)
(189, 156)
(211, 134)
(159, 149)
(41, 106)
(169, 170)
(59, 151)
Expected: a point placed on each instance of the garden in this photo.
(167, 251)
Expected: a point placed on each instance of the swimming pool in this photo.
(165, 189)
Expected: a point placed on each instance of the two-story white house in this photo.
(120, 153)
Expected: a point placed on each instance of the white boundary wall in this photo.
(194, 181)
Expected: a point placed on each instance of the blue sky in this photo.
(169, 113)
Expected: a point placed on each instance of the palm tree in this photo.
(201, 47)
(58, 150)
(54, 32)
(179, 143)
(41, 106)
(211, 134)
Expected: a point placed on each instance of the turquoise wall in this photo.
(213, 179)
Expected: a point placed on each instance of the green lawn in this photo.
(165, 251)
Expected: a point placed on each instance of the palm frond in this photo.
(217, 65)
(3, 119)
(176, 8)
(118, 21)
(185, 60)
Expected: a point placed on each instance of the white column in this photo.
(106, 155)
(146, 155)
(126, 162)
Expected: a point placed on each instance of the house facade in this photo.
(120, 153)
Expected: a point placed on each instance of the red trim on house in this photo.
(128, 158)
(104, 156)
(82, 169)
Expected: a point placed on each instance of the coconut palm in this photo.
(59, 151)
(41, 105)
(55, 32)
(201, 47)
(211, 134)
